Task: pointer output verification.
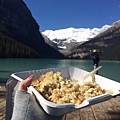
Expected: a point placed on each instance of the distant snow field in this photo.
(78, 34)
(63, 36)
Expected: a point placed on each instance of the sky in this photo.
(61, 14)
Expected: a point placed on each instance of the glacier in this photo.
(69, 35)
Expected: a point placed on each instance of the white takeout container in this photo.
(72, 73)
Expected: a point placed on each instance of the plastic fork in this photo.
(81, 82)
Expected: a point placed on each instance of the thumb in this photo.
(25, 83)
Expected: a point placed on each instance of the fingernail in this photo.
(31, 75)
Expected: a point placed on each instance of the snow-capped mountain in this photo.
(62, 37)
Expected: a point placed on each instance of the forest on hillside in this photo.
(10, 48)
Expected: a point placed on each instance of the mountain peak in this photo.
(71, 34)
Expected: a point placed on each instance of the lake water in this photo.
(110, 69)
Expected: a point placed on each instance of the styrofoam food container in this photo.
(72, 73)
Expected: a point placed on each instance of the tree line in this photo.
(11, 48)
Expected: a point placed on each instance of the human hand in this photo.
(26, 103)
(25, 83)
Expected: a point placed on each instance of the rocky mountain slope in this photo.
(49, 42)
(19, 33)
(108, 42)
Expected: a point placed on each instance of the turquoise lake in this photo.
(110, 69)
